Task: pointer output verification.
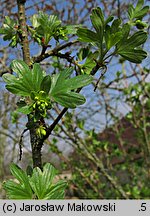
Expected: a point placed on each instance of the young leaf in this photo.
(18, 88)
(61, 88)
(97, 19)
(42, 183)
(47, 27)
(25, 109)
(68, 99)
(72, 84)
(129, 49)
(89, 63)
(20, 175)
(72, 29)
(46, 84)
(26, 80)
(9, 78)
(37, 75)
(86, 35)
(16, 191)
(138, 12)
(57, 191)
(20, 190)
(133, 55)
(9, 30)
(20, 67)
(83, 53)
(34, 21)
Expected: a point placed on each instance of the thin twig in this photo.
(21, 143)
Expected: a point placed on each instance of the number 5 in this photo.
(143, 206)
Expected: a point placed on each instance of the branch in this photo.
(53, 52)
(23, 30)
(52, 126)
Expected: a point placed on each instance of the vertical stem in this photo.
(36, 142)
(23, 31)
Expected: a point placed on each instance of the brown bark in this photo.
(36, 142)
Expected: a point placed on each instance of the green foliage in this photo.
(42, 89)
(137, 14)
(61, 90)
(45, 27)
(88, 180)
(128, 47)
(114, 35)
(38, 185)
(95, 38)
(38, 91)
(139, 11)
(89, 63)
(26, 80)
(10, 31)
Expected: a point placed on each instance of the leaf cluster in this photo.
(36, 185)
(44, 27)
(10, 31)
(41, 90)
(111, 37)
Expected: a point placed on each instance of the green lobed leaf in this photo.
(113, 34)
(72, 29)
(136, 39)
(46, 84)
(109, 19)
(138, 12)
(20, 190)
(129, 47)
(61, 88)
(25, 109)
(130, 11)
(18, 89)
(90, 63)
(16, 191)
(37, 75)
(26, 81)
(97, 19)
(133, 55)
(20, 175)
(141, 13)
(9, 78)
(72, 83)
(139, 4)
(57, 191)
(58, 79)
(39, 184)
(20, 67)
(42, 183)
(68, 99)
(86, 35)
(78, 82)
(115, 27)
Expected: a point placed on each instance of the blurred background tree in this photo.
(103, 147)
